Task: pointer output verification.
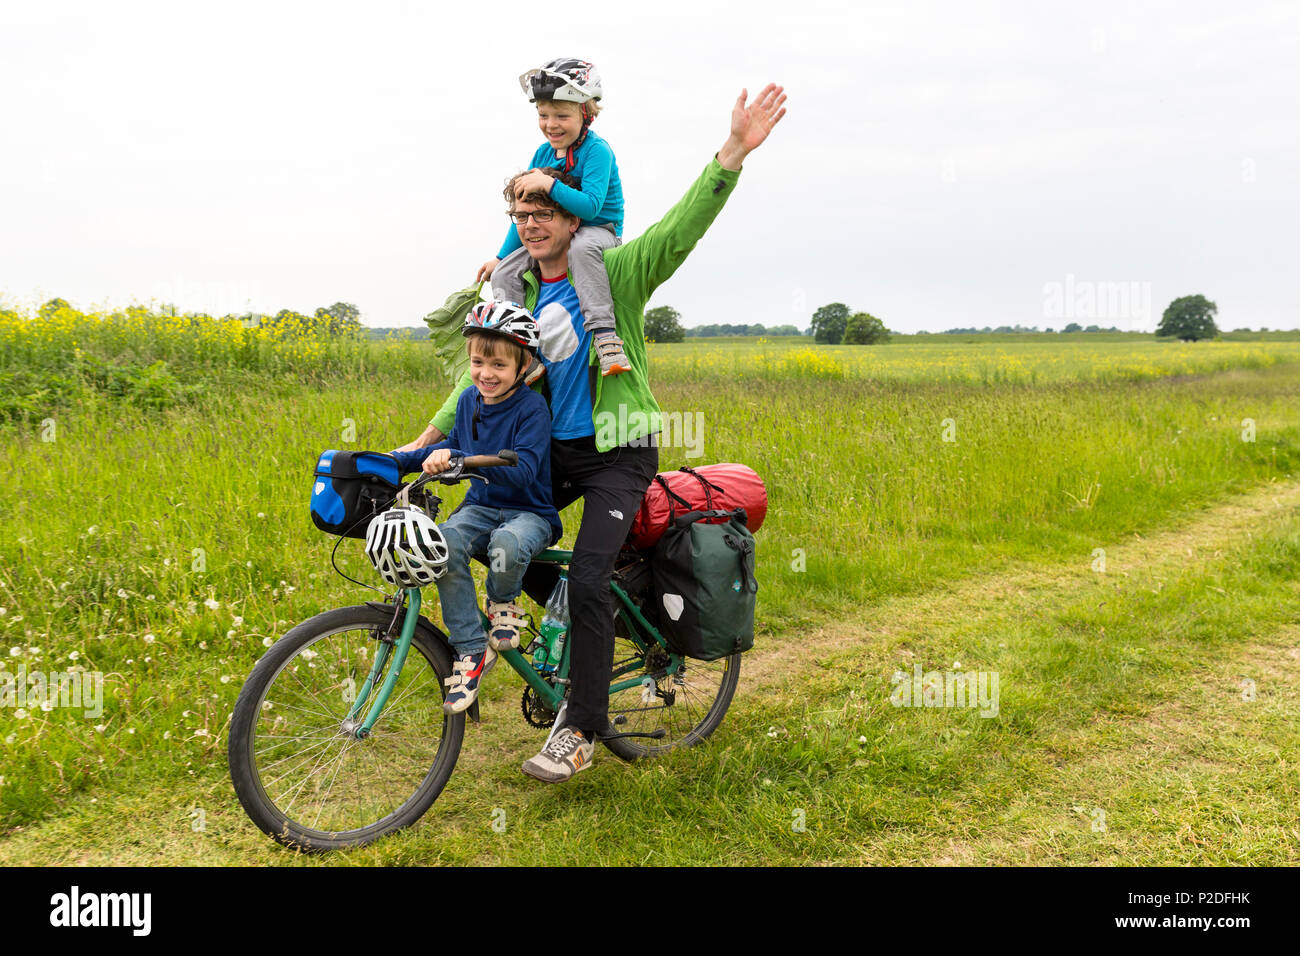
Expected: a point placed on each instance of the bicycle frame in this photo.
(639, 629)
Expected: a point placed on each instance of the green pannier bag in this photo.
(704, 585)
(445, 324)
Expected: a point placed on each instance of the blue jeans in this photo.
(507, 540)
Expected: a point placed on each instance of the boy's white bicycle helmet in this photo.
(406, 547)
(508, 319)
(567, 79)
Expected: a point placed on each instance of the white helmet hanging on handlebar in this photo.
(406, 547)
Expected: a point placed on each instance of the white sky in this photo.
(942, 164)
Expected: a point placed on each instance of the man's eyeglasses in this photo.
(539, 215)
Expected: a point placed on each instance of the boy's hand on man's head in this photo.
(437, 462)
(533, 181)
(486, 269)
(751, 123)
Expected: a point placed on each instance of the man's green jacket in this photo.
(623, 410)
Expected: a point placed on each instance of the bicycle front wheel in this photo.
(688, 702)
(302, 774)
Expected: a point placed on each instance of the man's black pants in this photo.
(612, 485)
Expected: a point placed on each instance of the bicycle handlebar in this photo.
(504, 457)
(461, 468)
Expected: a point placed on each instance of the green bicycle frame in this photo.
(637, 626)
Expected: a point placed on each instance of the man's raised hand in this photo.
(751, 123)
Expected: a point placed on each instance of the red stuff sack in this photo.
(724, 487)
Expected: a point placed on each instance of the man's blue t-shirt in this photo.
(565, 348)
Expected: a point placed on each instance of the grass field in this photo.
(1110, 525)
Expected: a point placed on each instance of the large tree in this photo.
(1189, 318)
(663, 324)
(865, 329)
(829, 322)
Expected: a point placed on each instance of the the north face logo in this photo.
(616, 514)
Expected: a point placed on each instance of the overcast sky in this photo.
(942, 164)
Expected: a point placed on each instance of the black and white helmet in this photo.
(509, 319)
(406, 547)
(568, 79)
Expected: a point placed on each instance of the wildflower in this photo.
(33, 651)
(167, 735)
(211, 604)
(267, 642)
(230, 634)
(203, 645)
(956, 665)
(130, 730)
(149, 638)
(167, 562)
(20, 714)
(92, 529)
(11, 738)
(225, 678)
(261, 514)
(237, 621)
(121, 592)
(74, 655)
(862, 740)
(149, 597)
(2, 612)
(200, 732)
(100, 728)
(15, 651)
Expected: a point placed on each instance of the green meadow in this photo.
(1111, 524)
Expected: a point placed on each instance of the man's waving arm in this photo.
(647, 261)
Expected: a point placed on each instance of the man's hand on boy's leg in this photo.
(751, 124)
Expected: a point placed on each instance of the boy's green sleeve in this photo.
(648, 261)
(446, 416)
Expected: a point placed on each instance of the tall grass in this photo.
(166, 546)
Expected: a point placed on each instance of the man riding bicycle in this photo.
(604, 429)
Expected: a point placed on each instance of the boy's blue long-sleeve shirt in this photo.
(599, 201)
(522, 423)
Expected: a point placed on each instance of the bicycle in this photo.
(335, 741)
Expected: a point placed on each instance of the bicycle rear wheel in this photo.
(688, 702)
(299, 772)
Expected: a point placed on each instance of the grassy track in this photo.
(1123, 738)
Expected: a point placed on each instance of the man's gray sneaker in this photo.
(564, 755)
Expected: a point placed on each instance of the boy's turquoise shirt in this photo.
(623, 409)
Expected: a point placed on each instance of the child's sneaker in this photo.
(504, 622)
(466, 674)
(609, 349)
(564, 755)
